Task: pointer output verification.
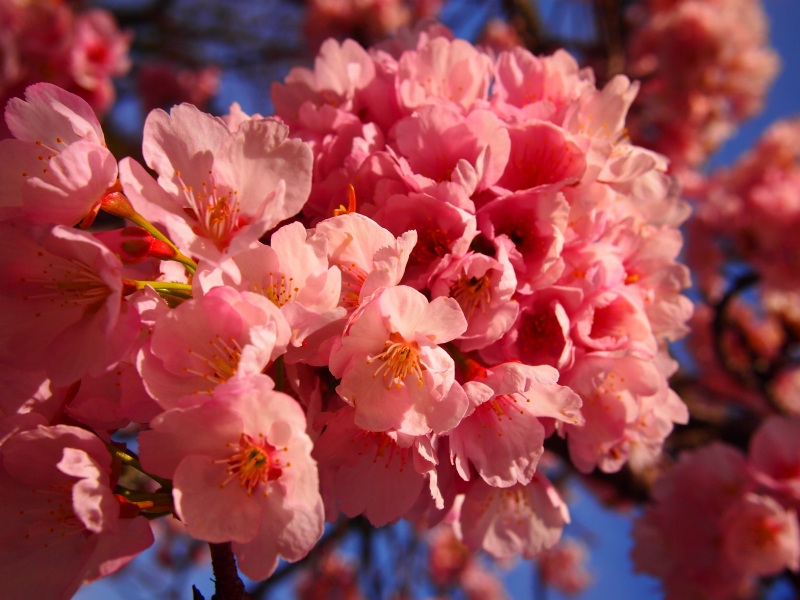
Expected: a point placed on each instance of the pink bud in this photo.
(134, 244)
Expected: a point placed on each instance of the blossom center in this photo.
(67, 282)
(399, 359)
(280, 290)
(217, 212)
(221, 360)
(472, 293)
(255, 462)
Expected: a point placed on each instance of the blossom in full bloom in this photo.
(58, 511)
(58, 167)
(242, 471)
(393, 371)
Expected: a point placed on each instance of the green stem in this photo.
(180, 257)
(115, 203)
(171, 288)
(456, 355)
(133, 462)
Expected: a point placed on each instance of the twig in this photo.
(227, 583)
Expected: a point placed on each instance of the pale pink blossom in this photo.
(59, 512)
(441, 144)
(483, 287)
(501, 435)
(563, 567)
(62, 306)
(368, 255)
(392, 369)
(524, 79)
(242, 472)
(377, 474)
(217, 191)
(341, 73)
(224, 334)
(518, 520)
(613, 389)
(441, 71)
(293, 274)
(760, 536)
(58, 167)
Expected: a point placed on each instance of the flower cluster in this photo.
(79, 52)
(720, 520)
(750, 212)
(379, 303)
(705, 65)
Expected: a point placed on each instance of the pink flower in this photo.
(680, 537)
(612, 389)
(501, 435)
(222, 335)
(59, 514)
(524, 79)
(58, 168)
(378, 474)
(441, 144)
(518, 520)
(99, 50)
(113, 400)
(392, 369)
(217, 192)
(341, 73)
(761, 537)
(562, 567)
(535, 222)
(775, 457)
(242, 472)
(542, 154)
(293, 274)
(441, 71)
(368, 256)
(614, 320)
(541, 333)
(483, 287)
(442, 230)
(61, 306)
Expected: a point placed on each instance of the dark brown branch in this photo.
(227, 582)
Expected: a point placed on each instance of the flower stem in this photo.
(133, 462)
(117, 204)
